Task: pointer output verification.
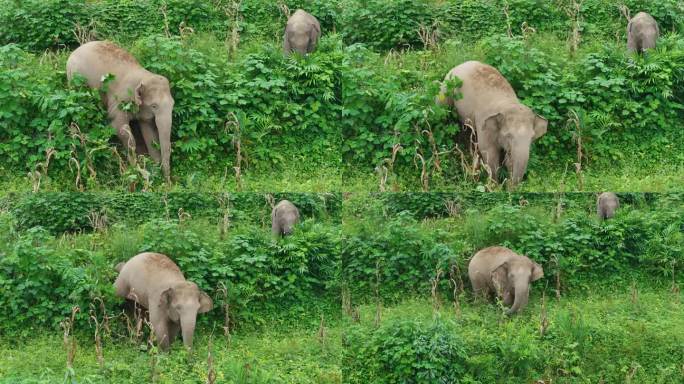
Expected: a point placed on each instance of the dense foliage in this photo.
(256, 103)
(612, 337)
(360, 97)
(405, 352)
(393, 257)
(598, 102)
(59, 212)
(44, 275)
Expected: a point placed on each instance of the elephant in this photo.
(156, 283)
(150, 92)
(301, 33)
(283, 218)
(503, 125)
(642, 33)
(606, 205)
(504, 272)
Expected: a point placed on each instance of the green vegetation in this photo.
(388, 253)
(615, 115)
(283, 297)
(372, 287)
(360, 110)
(223, 243)
(630, 335)
(607, 310)
(244, 118)
(308, 354)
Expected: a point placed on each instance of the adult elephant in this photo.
(500, 270)
(642, 32)
(155, 282)
(150, 93)
(505, 127)
(301, 33)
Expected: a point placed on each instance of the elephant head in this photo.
(182, 303)
(516, 127)
(512, 281)
(300, 38)
(153, 97)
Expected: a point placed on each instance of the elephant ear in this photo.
(540, 125)
(500, 278)
(206, 303)
(314, 31)
(496, 120)
(537, 272)
(139, 94)
(165, 298)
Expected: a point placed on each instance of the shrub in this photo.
(383, 24)
(405, 351)
(257, 101)
(72, 212)
(38, 25)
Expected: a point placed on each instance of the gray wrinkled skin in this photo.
(642, 33)
(503, 272)
(156, 283)
(283, 218)
(150, 92)
(606, 205)
(301, 33)
(505, 127)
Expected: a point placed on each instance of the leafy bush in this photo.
(398, 260)
(38, 25)
(605, 97)
(43, 277)
(405, 351)
(72, 212)
(39, 285)
(386, 24)
(258, 101)
(393, 256)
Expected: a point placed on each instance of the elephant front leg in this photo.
(123, 131)
(149, 133)
(508, 298)
(491, 157)
(174, 329)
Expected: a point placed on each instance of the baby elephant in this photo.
(606, 205)
(301, 33)
(155, 282)
(504, 272)
(642, 32)
(284, 217)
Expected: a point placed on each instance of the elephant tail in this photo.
(119, 266)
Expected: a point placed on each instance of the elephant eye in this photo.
(154, 106)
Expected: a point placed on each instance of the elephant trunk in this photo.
(188, 328)
(163, 122)
(522, 292)
(519, 156)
